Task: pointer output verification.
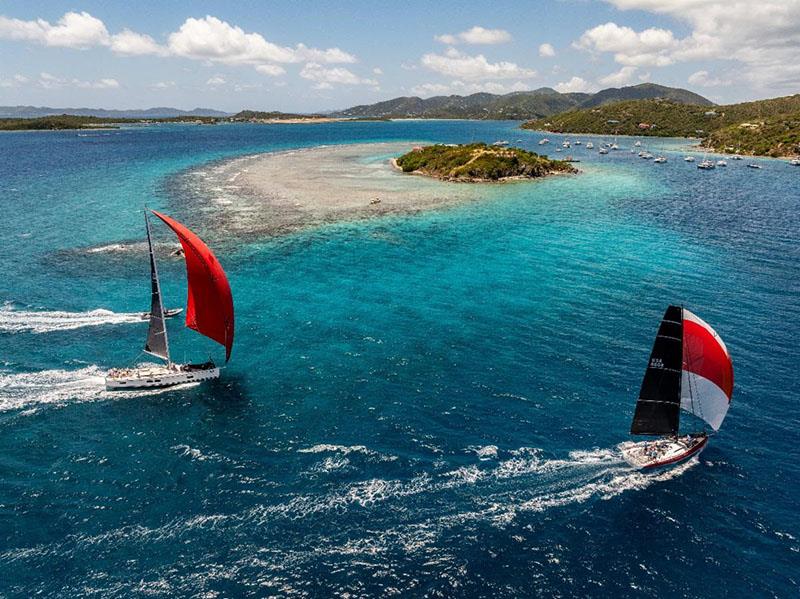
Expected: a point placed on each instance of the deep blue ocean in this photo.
(424, 405)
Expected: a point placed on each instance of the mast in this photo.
(157, 343)
(658, 407)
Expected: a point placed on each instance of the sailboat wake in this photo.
(31, 390)
(13, 320)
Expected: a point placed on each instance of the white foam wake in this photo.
(13, 320)
(30, 390)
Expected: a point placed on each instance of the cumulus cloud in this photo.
(467, 87)
(326, 78)
(576, 84)
(272, 70)
(463, 66)
(48, 81)
(621, 77)
(652, 46)
(546, 50)
(73, 30)
(475, 35)
(377, 71)
(135, 44)
(216, 81)
(14, 81)
(704, 79)
(764, 37)
(215, 40)
(207, 39)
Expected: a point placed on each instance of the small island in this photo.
(479, 163)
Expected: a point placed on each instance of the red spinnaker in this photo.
(209, 306)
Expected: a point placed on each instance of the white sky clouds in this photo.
(469, 87)
(704, 79)
(742, 45)
(763, 37)
(463, 66)
(576, 84)
(649, 47)
(326, 78)
(48, 81)
(206, 39)
(476, 35)
(547, 51)
(622, 77)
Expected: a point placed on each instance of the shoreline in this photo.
(710, 150)
(278, 193)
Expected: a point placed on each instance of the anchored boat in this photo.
(690, 370)
(209, 311)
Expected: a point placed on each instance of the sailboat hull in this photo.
(663, 452)
(153, 376)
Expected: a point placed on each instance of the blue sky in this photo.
(321, 55)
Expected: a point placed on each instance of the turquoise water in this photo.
(426, 404)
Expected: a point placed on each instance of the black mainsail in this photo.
(157, 344)
(658, 407)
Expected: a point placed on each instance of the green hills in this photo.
(515, 106)
(764, 127)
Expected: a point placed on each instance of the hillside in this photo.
(517, 105)
(479, 163)
(645, 91)
(764, 127)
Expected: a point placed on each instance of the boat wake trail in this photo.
(31, 390)
(13, 320)
(367, 524)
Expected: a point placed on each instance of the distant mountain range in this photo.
(517, 105)
(30, 112)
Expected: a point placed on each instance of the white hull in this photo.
(663, 452)
(154, 376)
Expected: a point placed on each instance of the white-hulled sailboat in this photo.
(689, 369)
(209, 311)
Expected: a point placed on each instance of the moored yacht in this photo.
(689, 158)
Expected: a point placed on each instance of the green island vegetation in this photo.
(69, 121)
(273, 115)
(479, 162)
(761, 128)
(63, 121)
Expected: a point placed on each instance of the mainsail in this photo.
(157, 343)
(658, 406)
(707, 382)
(209, 306)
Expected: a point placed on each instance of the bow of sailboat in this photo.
(209, 304)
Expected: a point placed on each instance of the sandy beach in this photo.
(282, 192)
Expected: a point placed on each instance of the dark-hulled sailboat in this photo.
(209, 311)
(690, 370)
